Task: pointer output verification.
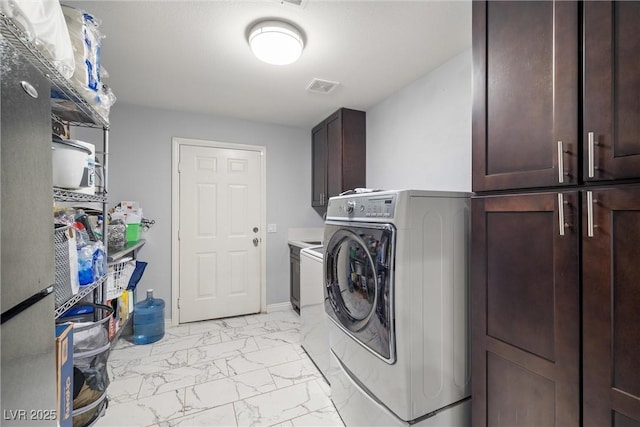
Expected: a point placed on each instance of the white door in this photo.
(219, 235)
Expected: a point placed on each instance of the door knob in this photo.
(255, 229)
(255, 242)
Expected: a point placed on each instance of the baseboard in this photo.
(281, 306)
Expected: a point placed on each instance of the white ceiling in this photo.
(193, 56)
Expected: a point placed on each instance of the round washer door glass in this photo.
(359, 284)
(357, 273)
(355, 287)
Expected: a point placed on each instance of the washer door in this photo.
(358, 286)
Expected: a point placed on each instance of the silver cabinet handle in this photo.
(589, 213)
(560, 163)
(592, 143)
(561, 213)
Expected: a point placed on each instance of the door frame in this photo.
(176, 143)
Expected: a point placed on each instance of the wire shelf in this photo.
(84, 291)
(71, 196)
(76, 110)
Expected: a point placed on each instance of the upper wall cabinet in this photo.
(611, 90)
(319, 165)
(338, 156)
(526, 93)
(525, 107)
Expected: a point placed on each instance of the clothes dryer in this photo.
(396, 294)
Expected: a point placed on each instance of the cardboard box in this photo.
(64, 373)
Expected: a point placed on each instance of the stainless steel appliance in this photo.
(27, 335)
(396, 291)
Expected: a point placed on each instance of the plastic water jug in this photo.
(148, 320)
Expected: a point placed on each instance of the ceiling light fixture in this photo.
(276, 42)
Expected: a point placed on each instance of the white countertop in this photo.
(305, 243)
(313, 251)
(305, 237)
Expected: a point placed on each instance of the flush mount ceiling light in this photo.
(276, 42)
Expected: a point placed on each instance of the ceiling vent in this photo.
(297, 3)
(321, 86)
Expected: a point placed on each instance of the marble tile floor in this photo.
(239, 371)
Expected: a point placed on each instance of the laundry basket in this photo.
(90, 373)
(91, 347)
(89, 414)
(118, 278)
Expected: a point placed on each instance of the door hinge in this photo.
(179, 167)
(179, 234)
(178, 302)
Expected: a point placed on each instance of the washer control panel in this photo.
(362, 207)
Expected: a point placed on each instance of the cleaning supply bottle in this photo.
(148, 320)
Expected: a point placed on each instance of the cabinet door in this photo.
(319, 166)
(354, 149)
(611, 303)
(525, 310)
(611, 90)
(525, 101)
(334, 155)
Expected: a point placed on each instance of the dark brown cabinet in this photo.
(555, 289)
(525, 310)
(611, 306)
(526, 301)
(318, 166)
(611, 90)
(338, 156)
(526, 103)
(294, 277)
(525, 107)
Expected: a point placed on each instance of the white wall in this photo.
(140, 169)
(420, 137)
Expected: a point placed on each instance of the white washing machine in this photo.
(396, 295)
(313, 319)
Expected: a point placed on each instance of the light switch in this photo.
(272, 228)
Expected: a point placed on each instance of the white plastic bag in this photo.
(86, 41)
(44, 25)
